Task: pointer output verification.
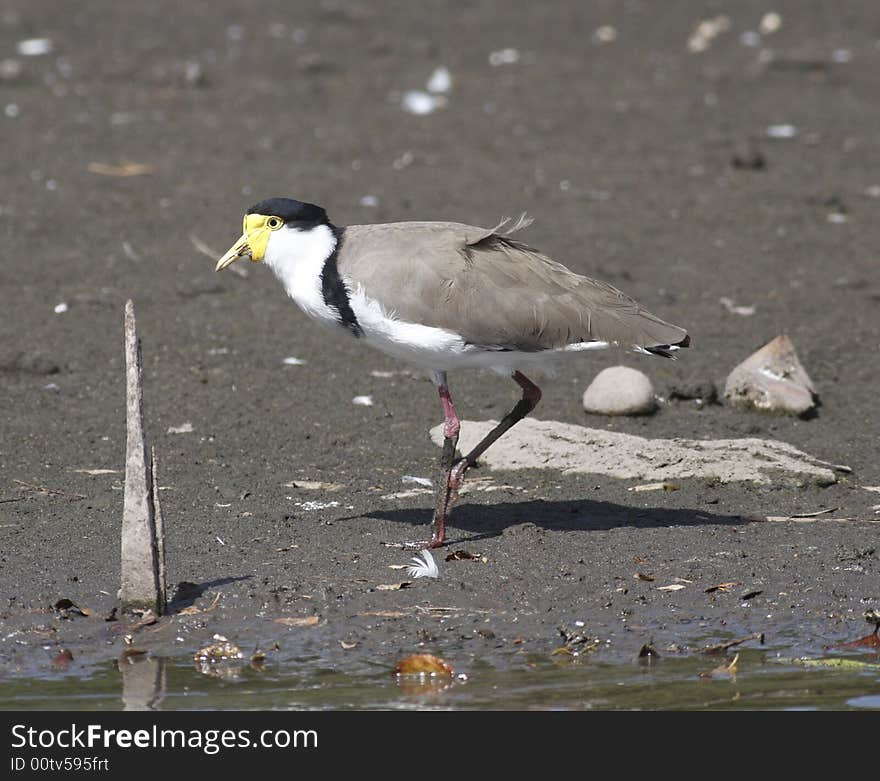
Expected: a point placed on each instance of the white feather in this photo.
(423, 566)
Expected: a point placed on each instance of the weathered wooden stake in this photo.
(141, 586)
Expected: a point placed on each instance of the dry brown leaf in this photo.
(126, 169)
(423, 664)
(298, 620)
(643, 576)
(193, 610)
(394, 586)
(463, 555)
(722, 586)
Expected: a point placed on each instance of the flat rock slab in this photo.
(547, 444)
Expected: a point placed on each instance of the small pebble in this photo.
(61, 308)
(363, 401)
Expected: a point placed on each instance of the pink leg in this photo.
(452, 472)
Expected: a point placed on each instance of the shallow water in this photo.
(762, 681)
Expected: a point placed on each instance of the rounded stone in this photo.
(620, 390)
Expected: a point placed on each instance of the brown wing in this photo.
(493, 290)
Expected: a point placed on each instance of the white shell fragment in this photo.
(440, 80)
(34, 47)
(416, 101)
(772, 380)
(781, 131)
(363, 401)
(620, 390)
(294, 361)
(61, 308)
(503, 57)
(184, 428)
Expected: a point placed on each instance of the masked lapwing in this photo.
(444, 296)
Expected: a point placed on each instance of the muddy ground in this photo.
(643, 163)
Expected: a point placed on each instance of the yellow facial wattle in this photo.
(254, 240)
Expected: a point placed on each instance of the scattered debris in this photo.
(312, 506)
(95, 472)
(463, 555)
(394, 586)
(605, 34)
(671, 587)
(781, 131)
(67, 608)
(126, 169)
(504, 57)
(770, 23)
(575, 642)
(298, 620)
(417, 102)
(440, 80)
(62, 659)
(646, 578)
(347, 646)
(41, 489)
(425, 481)
(423, 665)
(620, 390)
(706, 32)
(655, 487)
(293, 361)
(730, 306)
(772, 380)
(423, 566)
(61, 308)
(313, 485)
(722, 586)
(220, 650)
(815, 514)
(647, 651)
(183, 428)
(572, 449)
(34, 47)
(723, 670)
(720, 648)
(362, 401)
(751, 594)
(193, 610)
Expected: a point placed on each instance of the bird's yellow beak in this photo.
(251, 245)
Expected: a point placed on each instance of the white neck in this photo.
(297, 258)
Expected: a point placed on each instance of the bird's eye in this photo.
(274, 223)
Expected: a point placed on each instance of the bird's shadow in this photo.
(486, 521)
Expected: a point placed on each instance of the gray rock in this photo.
(772, 380)
(620, 390)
